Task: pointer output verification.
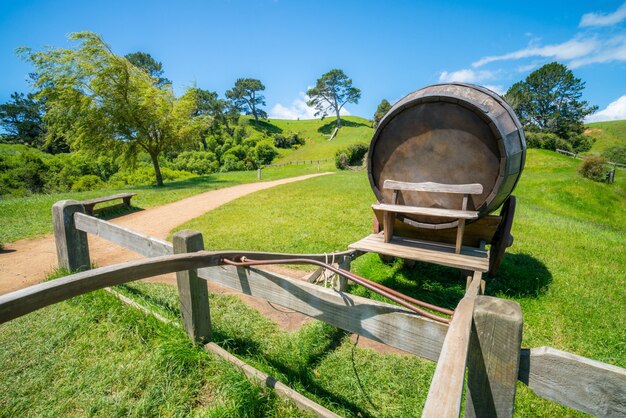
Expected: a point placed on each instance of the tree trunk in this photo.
(204, 144)
(338, 119)
(157, 169)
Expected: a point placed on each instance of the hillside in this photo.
(607, 134)
(316, 133)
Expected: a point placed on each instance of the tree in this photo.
(101, 102)
(246, 98)
(151, 66)
(549, 100)
(218, 111)
(381, 111)
(331, 92)
(22, 118)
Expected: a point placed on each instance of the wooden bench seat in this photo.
(90, 203)
(390, 210)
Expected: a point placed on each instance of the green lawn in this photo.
(607, 134)
(28, 217)
(317, 133)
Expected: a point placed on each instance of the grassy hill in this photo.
(317, 134)
(607, 134)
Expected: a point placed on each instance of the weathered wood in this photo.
(135, 241)
(193, 293)
(446, 388)
(379, 321)
(472, 259)
(71, 244)
(344, 264)
(388, 220)
(282, 390)
(474, 188)
(90, 203)
(23, 301)
(493, 360)
(416, 210)
(587, 385)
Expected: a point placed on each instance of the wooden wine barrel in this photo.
(448, 133)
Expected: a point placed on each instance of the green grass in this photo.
(317, 132)
(607, 134)
(28, 217)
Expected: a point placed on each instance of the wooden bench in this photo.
(90, 203)
(390, 210)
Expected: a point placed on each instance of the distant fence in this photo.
(300, 162)
(575, 155)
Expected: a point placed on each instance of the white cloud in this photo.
(616, 110)
(298, 109)
(497, 88)
(613, 49)
(465, 76)
(602, 19)
(574, 48)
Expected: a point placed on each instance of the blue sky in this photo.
(388, 48)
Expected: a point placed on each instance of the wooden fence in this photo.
(575, 155)
(300, 162)
(483, 338)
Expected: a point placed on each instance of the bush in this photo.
(615, 154)
(145, 176)
(198, 162)
(230, 162)
(592, 167)
(350, 156)
(264, 152)
(288, 141)
(86, 183)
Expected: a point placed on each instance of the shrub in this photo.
(230, 162)
(615, 154)
(264, 152)
(288, 141)
(581, 143)
(145, 176)
(350, 156)
(86, 183)
(198, 162)
(592, 167)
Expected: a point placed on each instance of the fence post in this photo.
(344, 264)
(493, 361)
(193, 292)
(72, 245)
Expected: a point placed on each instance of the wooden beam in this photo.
(193, 292)
(379, 321)
(417, 210)
(71, 243)
(493, 360)
(473, 188)
(587, 385)
(138, 242)
(446, 388)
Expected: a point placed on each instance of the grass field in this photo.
(317, 133)
(567, 270)
(607, 134)
(28, 217)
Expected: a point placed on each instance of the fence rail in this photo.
(300, 162)
(575, 155)
(485, 329)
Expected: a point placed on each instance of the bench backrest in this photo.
(473, 188)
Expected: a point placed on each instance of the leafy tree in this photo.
(22, 118)
(381, 111)
(246, 98)
(153, 67)
(218, 111)
(101, 102)
(331, 92)
(549, 100)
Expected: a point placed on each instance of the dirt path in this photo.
(26, 262)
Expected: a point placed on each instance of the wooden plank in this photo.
(282, 390)
(473, 188)
(71, 244)
(23, 301)
(446, 388)
(135, 241)
(107, 198)
(472, 259)
(587, 385)
(493, 360)
(193, 293)
(416, 210)
(379, 321)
